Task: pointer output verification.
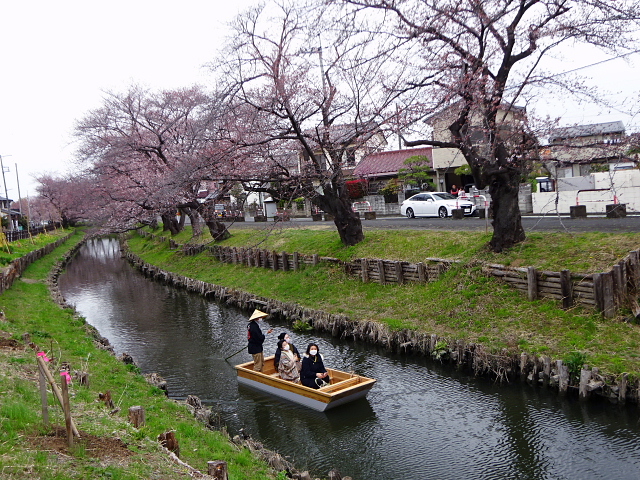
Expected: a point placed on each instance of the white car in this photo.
(435, 204)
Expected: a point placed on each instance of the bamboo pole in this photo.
(67, 408)
(56, 390)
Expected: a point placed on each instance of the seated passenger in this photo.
(292, 348)
(287, 367)
(313, 373)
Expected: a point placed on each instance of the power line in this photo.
(594, 64)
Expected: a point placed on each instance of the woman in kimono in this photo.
(287, 367)
(313, 373)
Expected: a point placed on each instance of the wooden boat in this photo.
(345, 387)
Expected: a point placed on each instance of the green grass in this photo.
(29, 309)
(581, 252)
(464, 304)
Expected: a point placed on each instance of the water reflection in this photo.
(421, 421)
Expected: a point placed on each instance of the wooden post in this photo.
(218, 470)
(633, 275)
(622, 388)
(585, 376)
(608, 303)
(136, 416)
(315, 259)
(364, 264)
(296, 261)
(618, 285)
(532, 283)
(381, 271)
(546, 372)
(567, 289)
(285, 261)
(597, 291)
(43, 396)
(524, 358)
(274, 260)
(432, 342)
(66, 407)
(399, 272)
(169, 441)
(563, 377)
(422, 273)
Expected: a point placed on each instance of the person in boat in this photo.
(292, 348)
(313, 373)
(255, 339)
(287, 367)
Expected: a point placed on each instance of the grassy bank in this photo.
(109, 447)
(464, 304)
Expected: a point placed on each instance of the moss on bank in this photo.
(109, 446)
(464, 304)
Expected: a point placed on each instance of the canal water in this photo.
(421, 421)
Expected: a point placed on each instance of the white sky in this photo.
(57, 58)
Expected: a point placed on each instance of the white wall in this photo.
(622, 184)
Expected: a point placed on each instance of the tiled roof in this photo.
(586, 130)
(388, 163)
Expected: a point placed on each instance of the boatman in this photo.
(256, 339)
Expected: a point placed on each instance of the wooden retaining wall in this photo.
(606, 291)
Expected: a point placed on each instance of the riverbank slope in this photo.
(109, 446)
(464, 304)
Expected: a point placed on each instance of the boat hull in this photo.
(344, 388)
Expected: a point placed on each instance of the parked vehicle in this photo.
(435, 204)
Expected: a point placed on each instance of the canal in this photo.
(420, 421)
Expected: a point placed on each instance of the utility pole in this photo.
(6, 194)
(18, 181)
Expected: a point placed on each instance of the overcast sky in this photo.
(57, 58)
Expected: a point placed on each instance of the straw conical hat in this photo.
(258, 314)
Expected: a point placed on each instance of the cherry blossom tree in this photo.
(149, 152)
(65, 199)
(304, 122)
(477, 59)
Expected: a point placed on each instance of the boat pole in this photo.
(234, 354)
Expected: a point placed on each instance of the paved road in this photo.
(530, 223)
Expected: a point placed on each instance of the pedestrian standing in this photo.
(255, 339)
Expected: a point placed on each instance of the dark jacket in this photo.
(311, 366)
(255, 338)
(276, 358)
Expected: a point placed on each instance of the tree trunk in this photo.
(348, 223)
(169, 222)
(217, 229)
(507, 221)
(196, 222)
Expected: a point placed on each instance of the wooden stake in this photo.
(136, 416)
(622, 391)
(43, 396)
(67, 408)
(218, 470)
(56, 390)
(567, 289)
(532, 283)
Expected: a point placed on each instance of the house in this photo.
(446, 160)
(7, 212)
(580, 150)
(590, 166)
(353, 141)
(380, 167)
